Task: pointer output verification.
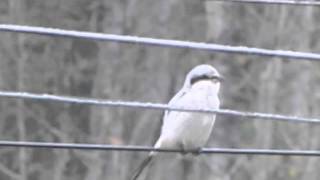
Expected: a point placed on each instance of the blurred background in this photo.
(108, 70)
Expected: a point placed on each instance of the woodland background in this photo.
(75, 67)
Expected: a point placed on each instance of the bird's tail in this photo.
(144, 164)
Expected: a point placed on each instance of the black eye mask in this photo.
(204, 77)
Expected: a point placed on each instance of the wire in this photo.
(108, 147)
(156, 106)
(160, 42)
(157, 42)
(274, 2)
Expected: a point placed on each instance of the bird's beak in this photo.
(219, 78)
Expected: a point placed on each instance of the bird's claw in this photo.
(196, 152)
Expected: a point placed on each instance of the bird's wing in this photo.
(174, 100)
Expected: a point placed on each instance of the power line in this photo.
(155, 106)
(273, 2)
(160, 42)
(108, 147)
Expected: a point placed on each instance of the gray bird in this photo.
(189, 131)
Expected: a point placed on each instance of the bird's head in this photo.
(202, 73)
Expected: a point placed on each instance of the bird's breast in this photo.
(203, 95)
(192, 129)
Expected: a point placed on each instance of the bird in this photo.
(189, 131)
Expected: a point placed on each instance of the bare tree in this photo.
(137, 72)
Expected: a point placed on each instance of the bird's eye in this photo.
(198, 78)
(213, 78)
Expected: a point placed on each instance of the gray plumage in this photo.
(186, 130)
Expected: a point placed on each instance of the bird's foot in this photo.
(196, 152)
(184, 152)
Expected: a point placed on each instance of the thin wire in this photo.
(274, 2)
(155, 106)
(108, 147)
(161, 42)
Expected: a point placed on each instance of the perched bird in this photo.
(189, 131)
